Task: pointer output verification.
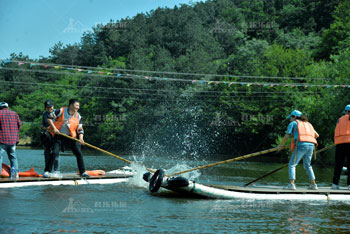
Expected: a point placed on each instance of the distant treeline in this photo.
(284, 54)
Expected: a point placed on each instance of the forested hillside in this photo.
(218, 76)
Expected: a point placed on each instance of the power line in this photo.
(277, 101)
(162, 72)
(118, 91)
(229, 83)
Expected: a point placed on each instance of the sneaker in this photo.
(335, 186)
(313, 187)
(14, 174)
(85, 175)
(56, 174)
(46, 174)
(290, 187)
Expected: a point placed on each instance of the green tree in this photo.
(337, 37)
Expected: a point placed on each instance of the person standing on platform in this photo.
(68, 121)
(342, 150)
(303, 144)
(47, 139)
(10, 125)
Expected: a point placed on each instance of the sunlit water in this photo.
(130, 208)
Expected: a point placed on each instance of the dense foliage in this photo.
(274, 42)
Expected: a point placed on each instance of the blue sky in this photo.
(34, 26)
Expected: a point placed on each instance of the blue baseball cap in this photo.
(347, 108)
(48, 103)
(294, 113)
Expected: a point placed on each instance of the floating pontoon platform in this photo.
(112, 177)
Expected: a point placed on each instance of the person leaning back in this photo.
(69, 122)
(303, 144)
(342, 150)
(10, 125)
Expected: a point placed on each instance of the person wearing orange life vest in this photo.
(304, 139)
(342, 151)
(68, 121)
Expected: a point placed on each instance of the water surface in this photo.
(130, 208)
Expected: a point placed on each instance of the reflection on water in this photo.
(130, 208)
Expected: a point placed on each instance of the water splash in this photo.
(177, 136)
(137, 180)
(182, 167)
(140, 169)
(180, 139)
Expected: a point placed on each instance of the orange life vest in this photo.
(73, 122)
(306, 134)
(342, 130)
(96, 173)
(30, 173)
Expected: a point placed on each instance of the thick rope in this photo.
(230, 160)
(104, 151)
(285, 165)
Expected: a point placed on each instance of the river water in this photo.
(130, 208)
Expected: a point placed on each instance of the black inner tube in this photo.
(156, 181)
(177, 182)
(146, 176)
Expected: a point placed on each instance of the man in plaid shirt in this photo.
(9, 128)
